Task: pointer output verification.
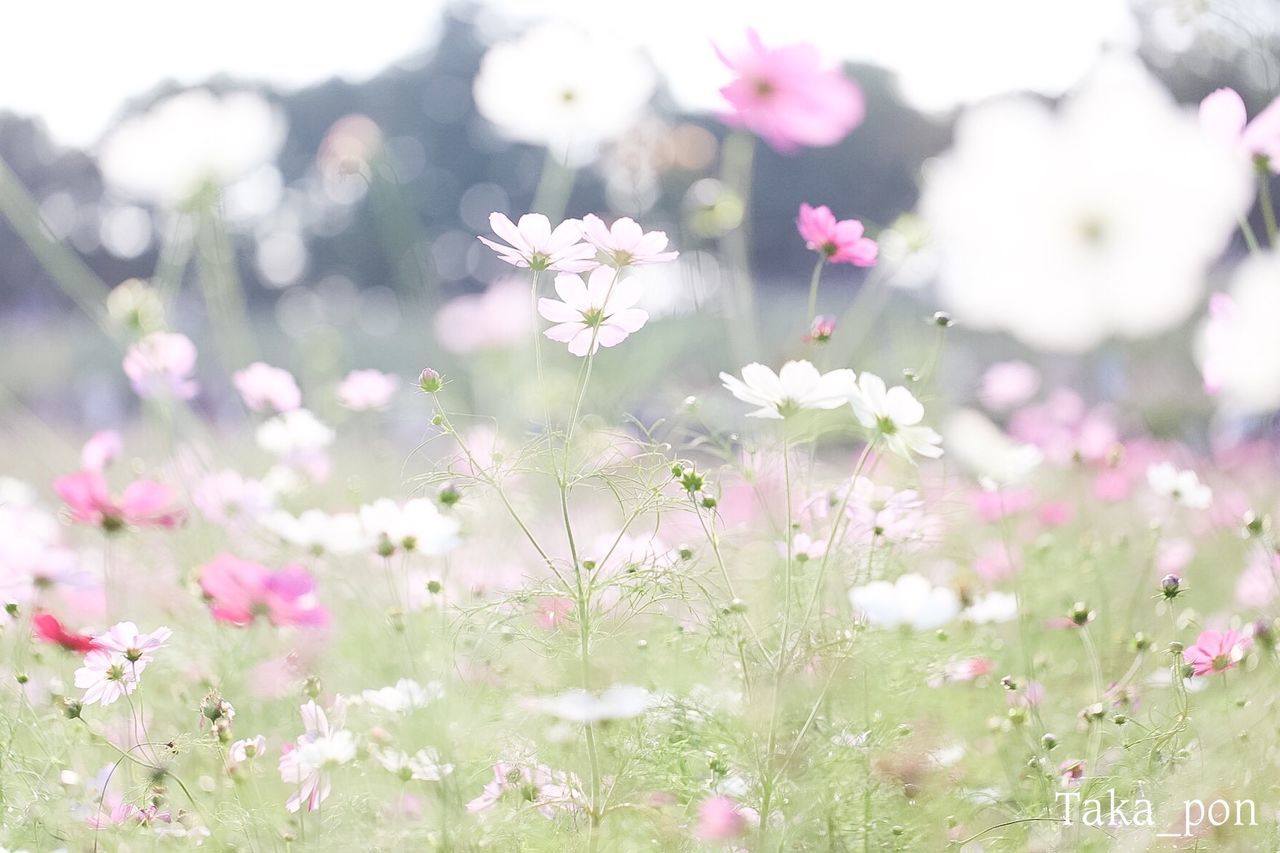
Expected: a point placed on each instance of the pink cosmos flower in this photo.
(788, 98)
(144, 503)
(161, 364)
(367, 390)
(267, 389)
(239, 591)
(1223, 116)
(549, 790)
(840, 242)
(1216, 651)
(495, 319)
(101, 450)
(126, 640)
(245, 750)
(47, 628)
(626, 243)
(597, 313)
(533, 245)
(720, 818)
(1008, 384)
(124, 812)
(550, 612)
(307, 764)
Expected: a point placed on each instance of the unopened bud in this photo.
(430, 380)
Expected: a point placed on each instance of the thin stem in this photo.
(771, 742)
(1264, 200)
(813, 285)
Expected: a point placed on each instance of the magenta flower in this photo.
(626, 243)
(533, 245)
(839, 242)
(788, 98)
(1216, 651)
(367, 390)
(597, 313)
(239, 591)
(161, 364)
(144, 503)
(267, 389)
(719, 819)
(1223, 116)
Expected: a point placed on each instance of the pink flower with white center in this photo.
(239, 591)
(794, 388)
(161, 364)
(1223, 116)
(1216, 651)
(894, 414)
(323, 746)
(842, 242)
(599, 312)
(101, 450)
(144, 503)
(367, 390)
(1008, 384)
(720, 818)
(267, 389)
(787, 97)
(533, 245)
(626, 244)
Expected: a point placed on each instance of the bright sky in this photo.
(76, 70)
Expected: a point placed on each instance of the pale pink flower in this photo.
(1218, 342)
(720, 818)
(842, 242)
(267, 389)
(101, 450)
(307, 764)
(144, 503)
(498, 318)
(239, 591)
(1256, 586)
(1216, 651)
(161, 364)
(533, 245)
(787, 97)
(550, 791)
(626, 243)
(125, 639)
(366, 390)
(228, 498)
(245, 750)
(804, 548)
(597, 313)
(1008, 384)
(1223, 116)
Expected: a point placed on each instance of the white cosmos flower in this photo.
(910, 602)
(1098, 219)
(563, 88)
(423, 766)
(599, 312)
(189, 140)
(894, 414)
(298, 432)
(1182, 487)
(415, 525)
(1238, 348)
(620, 702)
(320, 532)
(994, 606)
(324, 744)
(797, 386)
(983, 448)
(404, 696)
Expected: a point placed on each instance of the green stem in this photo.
(1264, 200)
(737, 160)
(555, 185)
(813, 285)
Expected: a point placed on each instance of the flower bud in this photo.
(1254, 524)
(449, 494)
(1049, 741)
(1171, 586)
(1080, 614)
(822, 328)
(942, 320)
(430, 380)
